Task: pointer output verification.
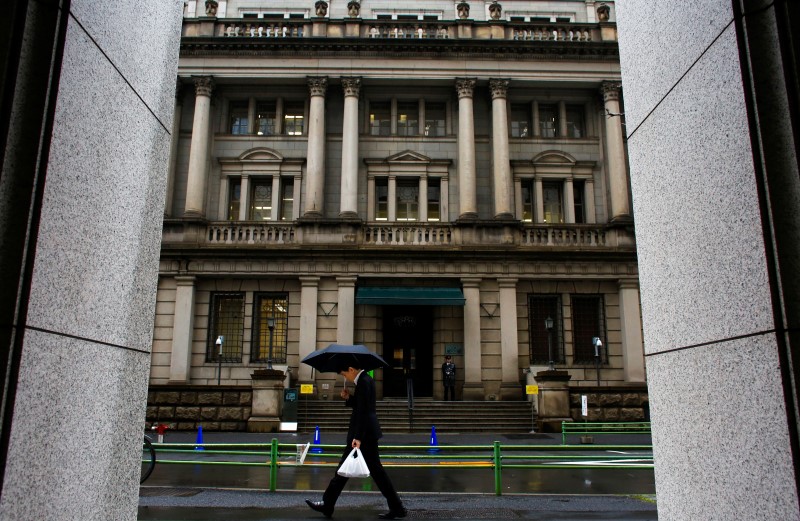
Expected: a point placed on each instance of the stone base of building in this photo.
(473, 392)
(263, 424)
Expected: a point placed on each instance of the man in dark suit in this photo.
(363, 433)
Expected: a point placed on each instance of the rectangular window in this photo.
(551, 201)
(293, 118)
(270, 325)
(520, 120)
(226, 319)
(434, 199)
(234, 199)
(588, 321)
(545, 345)
(287, 200)
(578, 201)
(261, 201)
(408, 200)
(575, 121)
(381, 199)
(527, 200)
(380, 119)
(239, 123)
(435, 117)
(266, 118)
(548, 120)
(407, 118)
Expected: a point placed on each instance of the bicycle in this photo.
(148, 459)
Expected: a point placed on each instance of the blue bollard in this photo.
(199, 440)
(316, 449)
(434, 443)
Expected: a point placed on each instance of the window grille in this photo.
(588, 321)
(266, 306)
(540, 307)
(226, 319)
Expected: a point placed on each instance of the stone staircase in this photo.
(453, 417)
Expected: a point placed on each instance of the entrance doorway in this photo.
(408, 349)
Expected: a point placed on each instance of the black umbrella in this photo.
(336, 356)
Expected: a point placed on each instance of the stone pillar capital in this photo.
(465, 87)
(317, 85)
(610, 90)
(185, 280)
(203, 85)
(507, 282)
(351, 86)
(347, 281)
(471, 282)
(499, 87)
(628, 284)
(309, 281)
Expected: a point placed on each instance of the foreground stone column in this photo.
(349, 192)
(267, 400)
(315, 170)
(501, 166)
(468, 203)
(198, 153)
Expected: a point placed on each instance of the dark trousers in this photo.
(369, 449)
(451, 390)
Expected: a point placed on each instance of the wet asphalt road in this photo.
(192, 491)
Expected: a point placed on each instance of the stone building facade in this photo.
(427, 179)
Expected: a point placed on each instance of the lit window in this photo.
(407, 118)
(287, 200)
(270, 307)
(551, 201)
(380, 119)
(261, 201)
(548, 120)
(234, 199)
(293, 118)
(408, 200)
(520, 121)
(265, 118)
(238, 117)
(226, 318)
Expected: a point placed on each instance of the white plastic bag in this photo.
(354, 466)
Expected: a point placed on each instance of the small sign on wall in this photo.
(454, 349)
(306, 389)
(584, 405)
(531, 389)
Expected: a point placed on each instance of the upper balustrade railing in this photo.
(248, 28)
(244, 234)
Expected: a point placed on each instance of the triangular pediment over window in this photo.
(408, 156)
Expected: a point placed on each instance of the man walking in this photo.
(363, 433)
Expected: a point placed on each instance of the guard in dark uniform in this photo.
(449, 378)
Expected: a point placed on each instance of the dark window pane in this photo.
(274, 307)
(541, 307)
(434, 199)
(579, 203)
(380, 119)
(407, 118)
(575, 121)
(551, 201)
(265, 118)
(588, 321)
(520, 121)
(548, 120)
(381, 199)
(435, 119)
(234, 199)
(238, 117)
(226, 320)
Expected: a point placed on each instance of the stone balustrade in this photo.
(410, 235)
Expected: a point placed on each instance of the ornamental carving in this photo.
(317, 85)
(321, 8)
(499, 88)
(203, 85)
(603, 12)
(211, 7)
(463, 10)
(351, 86)
(465, 87)
(610, 90)
(495, 10)
(353, 8)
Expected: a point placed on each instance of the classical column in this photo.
(468, 203)
(569, 201)
(315, 170)
(346, 309)
(244, 197)
(631, 324)
(309, 287)
(617, 172)
(173, 152)
(392, 198)
(538, 200)
(501, 166)
(510, 388)
(198, 153)
(349, 194)
(423, 199)
(562, 119)
(588, 197)
(180, 363)
(473, 383)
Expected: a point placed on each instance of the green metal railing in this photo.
(275, 455)
(592, 428)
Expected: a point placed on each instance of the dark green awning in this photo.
(398, 296)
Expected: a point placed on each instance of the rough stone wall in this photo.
(224, 408)
(612, 404)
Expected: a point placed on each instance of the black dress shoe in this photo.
(320, 507)
(394, 514)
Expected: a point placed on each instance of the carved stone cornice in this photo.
(203, 85)
(499, 87)
(317, 85)
(351, 86)
(465, 87)
(610, 90)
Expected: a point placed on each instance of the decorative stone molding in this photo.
(353, 8)
(465, 87)
(211, 7)
(610, 90)
(321, 8)
(463, 10)
(499, 87)
(351, 86)
(603, 12)
(495, 10)
(317, 85)
(203, 85)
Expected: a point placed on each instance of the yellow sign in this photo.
(531, 389)
(306, 389)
